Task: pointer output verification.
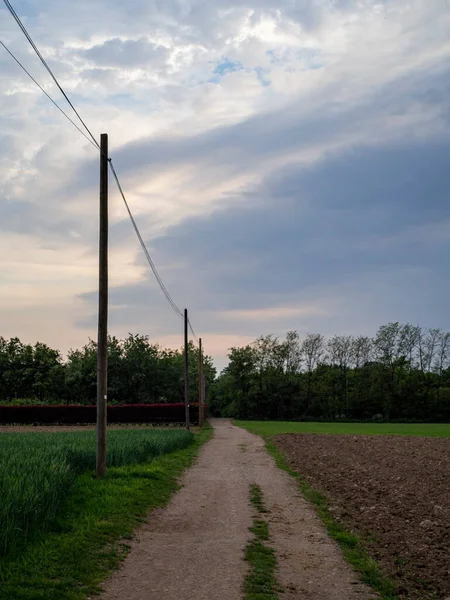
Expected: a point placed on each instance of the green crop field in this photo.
(276, 427)
(37, 470)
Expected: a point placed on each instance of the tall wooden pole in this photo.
(186, 368)
(203, 395)
(102, 342)
(200, 383)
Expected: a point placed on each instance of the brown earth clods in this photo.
(392, 490)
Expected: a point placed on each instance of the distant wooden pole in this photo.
(186, 368)
(200, 384)
(102, 342)
(203, 395)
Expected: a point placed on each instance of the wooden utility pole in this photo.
(186, 368)
(203, 395)
(102, 341)
(200, 383)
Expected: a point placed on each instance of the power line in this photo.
(144, 248)
(94, 142)
(149, 259)
(192, 330)
(48, 95)
(44, 62)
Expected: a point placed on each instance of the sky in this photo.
(287, 163)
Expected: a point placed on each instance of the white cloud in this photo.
(274, 314)
(189, 137)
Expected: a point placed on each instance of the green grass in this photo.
(260, 582)
(275, 427)
(256, 498)
(38, 470)
(260, 529)
(91, 532)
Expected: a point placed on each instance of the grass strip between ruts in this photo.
(260, 582)
(90, 535)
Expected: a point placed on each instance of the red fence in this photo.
(75, 414)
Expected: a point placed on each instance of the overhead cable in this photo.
(192, 330)
(44, 62)
(144, 248)
(94, 142)
(48, 95)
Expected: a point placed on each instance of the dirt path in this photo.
(194, 548)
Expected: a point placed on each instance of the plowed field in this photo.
(394, 491)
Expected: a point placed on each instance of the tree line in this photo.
(403, 373)
(138, 372)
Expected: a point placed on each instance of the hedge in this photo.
(76, 414)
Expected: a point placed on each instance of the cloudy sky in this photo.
(287, 162)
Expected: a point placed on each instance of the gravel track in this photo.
(194, 548)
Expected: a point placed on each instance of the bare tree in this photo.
(420, 347)
(430, 346)
(362, 352)
(293, 352)
(394, 342)
(390, 349)
(385, 342)
(266, 352)
(313, 348)
(407, 341)
(442, 361)
(340, 350)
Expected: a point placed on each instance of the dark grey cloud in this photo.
(106, 77)
(30, 218)
(326, 222)
(359, 228)
(364, 230)
(127, 53)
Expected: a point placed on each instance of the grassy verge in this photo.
(38, 471)
(89, 537)
(275, 427)
(352, 546)
(260, 582)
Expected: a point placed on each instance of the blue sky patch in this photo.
(227, 66)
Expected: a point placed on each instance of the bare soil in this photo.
(394, 491)
(194, 548)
